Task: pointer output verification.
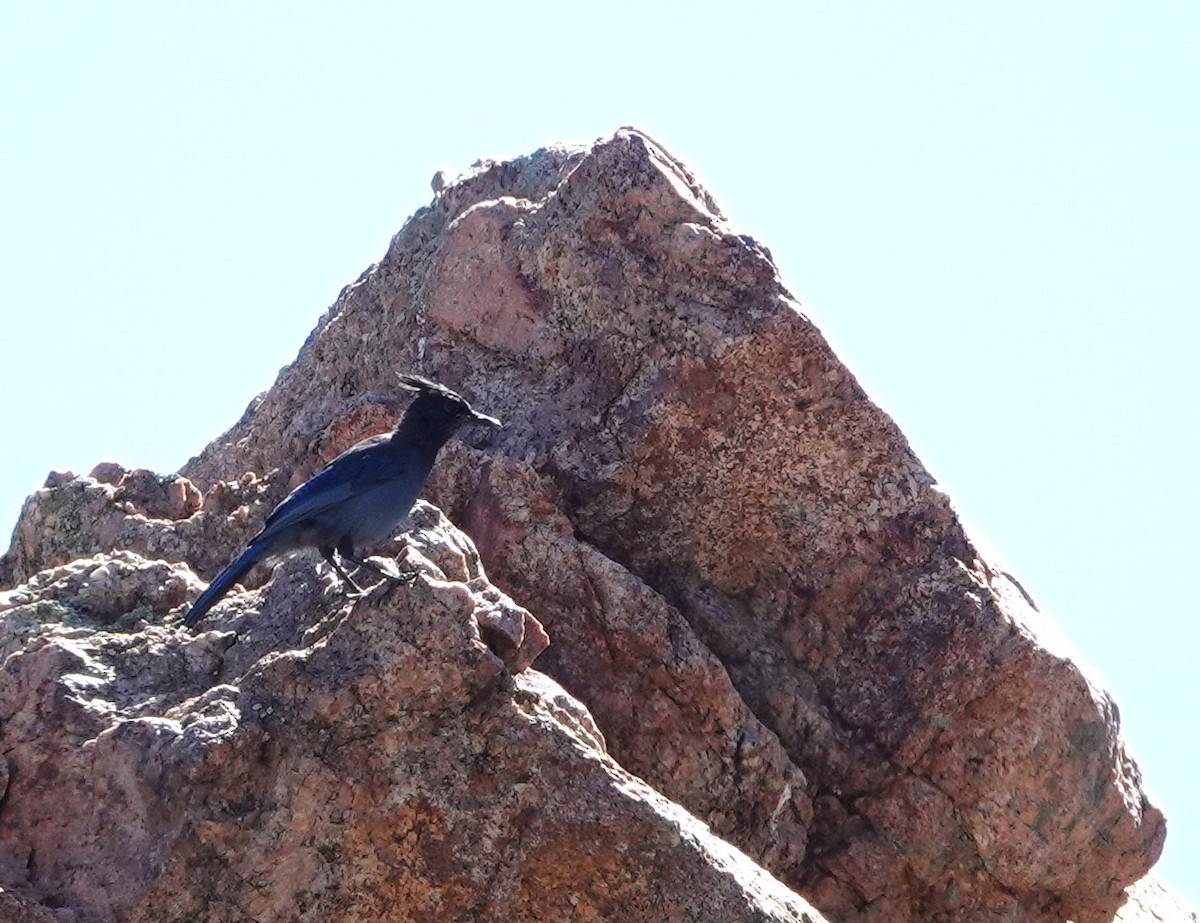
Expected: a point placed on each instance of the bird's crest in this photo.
(421, 385)
(462, 410)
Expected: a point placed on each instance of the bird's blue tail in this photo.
(219, 587)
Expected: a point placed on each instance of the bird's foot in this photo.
(402, 577)
(389, 571)
(350, 589)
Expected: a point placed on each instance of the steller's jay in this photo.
(360, 497)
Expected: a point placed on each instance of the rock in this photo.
(761, 604)
(662, 698)
(172, 497)
(369, 761)
(14, 909)
(122, 590)
(683, 451)
(1151, 901)
(111, 509)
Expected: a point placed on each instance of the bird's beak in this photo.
(484, 418)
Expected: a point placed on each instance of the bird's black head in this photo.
(437, 413)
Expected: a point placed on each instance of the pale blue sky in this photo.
(992, 214)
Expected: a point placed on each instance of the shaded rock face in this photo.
(759, 594)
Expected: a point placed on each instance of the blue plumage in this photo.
(360, 497)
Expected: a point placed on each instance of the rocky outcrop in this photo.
(772, 613)
(340, 761)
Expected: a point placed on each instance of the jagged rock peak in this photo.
(759, 601)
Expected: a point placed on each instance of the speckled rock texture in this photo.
(762, 598)
(373, 760)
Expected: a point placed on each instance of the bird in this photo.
(360, 497)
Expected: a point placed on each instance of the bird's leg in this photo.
(329, 555)
(392, 576)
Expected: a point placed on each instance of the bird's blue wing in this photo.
(349, 474)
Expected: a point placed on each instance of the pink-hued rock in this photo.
(770, 611)
(340, 761)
